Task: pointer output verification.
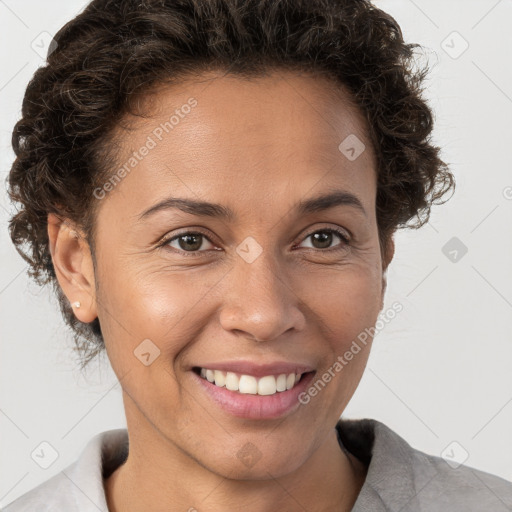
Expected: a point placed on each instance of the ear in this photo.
(389, 252)
(72, 261)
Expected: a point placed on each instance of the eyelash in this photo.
(341, 234)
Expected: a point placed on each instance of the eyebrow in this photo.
(205, 209)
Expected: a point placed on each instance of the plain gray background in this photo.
(440, 371)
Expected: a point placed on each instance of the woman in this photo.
(213, 187)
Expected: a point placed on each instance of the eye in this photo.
(192, 242)
(188, 242)
(322, 238)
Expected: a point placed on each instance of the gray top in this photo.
(400, 478)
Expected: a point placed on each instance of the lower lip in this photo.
(256, 407)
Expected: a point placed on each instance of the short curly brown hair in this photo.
(114, 51)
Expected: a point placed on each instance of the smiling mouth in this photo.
(249, 384)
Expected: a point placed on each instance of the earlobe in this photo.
(72, 261)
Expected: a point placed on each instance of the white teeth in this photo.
(281, 382)
(267, 385)
(231, 381)
(220, 378)
(248, 384)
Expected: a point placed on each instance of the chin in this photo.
(245, 461)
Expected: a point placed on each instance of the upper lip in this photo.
(257, 369)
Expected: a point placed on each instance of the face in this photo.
(279, 285)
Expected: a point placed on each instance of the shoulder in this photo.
(403, 478)
(42, 497)
(80, 485)
(458, 487)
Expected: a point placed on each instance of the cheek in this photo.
(347, 301)
(349, 304)
(170, 306)
(159, 304)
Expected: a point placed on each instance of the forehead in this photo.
(229, 139)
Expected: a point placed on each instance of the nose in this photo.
(259, 301)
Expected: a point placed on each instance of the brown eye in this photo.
(188, 242)
(323, 238)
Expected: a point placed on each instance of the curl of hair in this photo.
(114, 52)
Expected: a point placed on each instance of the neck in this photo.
(167, 479)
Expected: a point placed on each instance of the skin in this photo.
(259, 147)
